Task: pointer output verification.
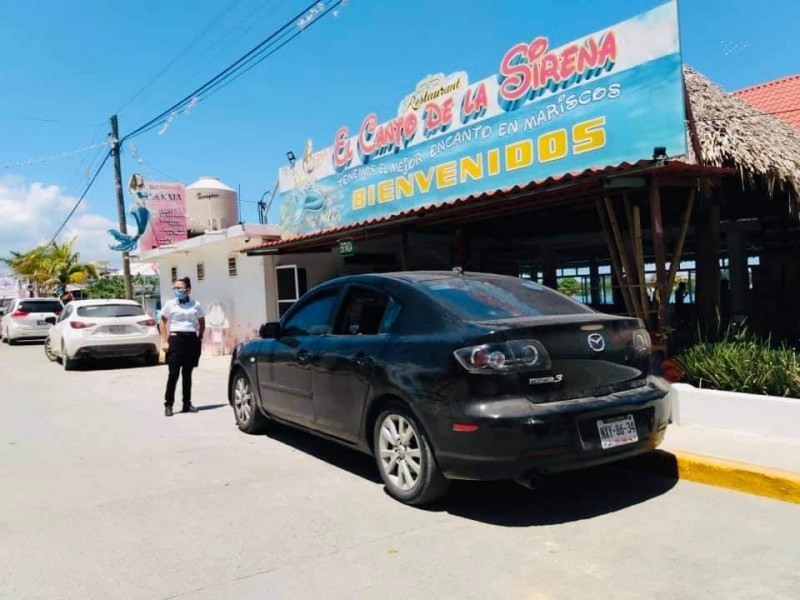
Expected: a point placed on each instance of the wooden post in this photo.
(676, 255)
(405, 258)
(639, 254)
(612, 251)
(628, 272)
(661, 254)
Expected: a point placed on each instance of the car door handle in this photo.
(304, 357)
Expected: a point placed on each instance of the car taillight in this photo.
(148, 322)
(505, 357)
(18, 313)
(57, 313)
(80, 325)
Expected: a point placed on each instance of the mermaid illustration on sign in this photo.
(126, 242)
(309, 201)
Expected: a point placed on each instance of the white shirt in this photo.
(182, 317)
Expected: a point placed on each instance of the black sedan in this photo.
(443, 375)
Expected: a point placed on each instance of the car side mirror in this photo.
(270, 331)
(50, 320)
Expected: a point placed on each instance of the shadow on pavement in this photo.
(113, 364)
(202, 407)
(347, 459)
(561, 498)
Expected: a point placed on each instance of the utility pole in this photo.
(123, 227)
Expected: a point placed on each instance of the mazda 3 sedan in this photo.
(443, 375)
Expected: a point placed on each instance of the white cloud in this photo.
(31, 212)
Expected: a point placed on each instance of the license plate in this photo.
(41, 323)
(117, 329)
(617, 431)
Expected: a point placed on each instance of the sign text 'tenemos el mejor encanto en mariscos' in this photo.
(607, 98)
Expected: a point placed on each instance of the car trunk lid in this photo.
(589, 355)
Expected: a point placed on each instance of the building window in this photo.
(292, 283)
(232, 267)
(173, 273)
(201, 271)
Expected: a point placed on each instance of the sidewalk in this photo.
(738, 461)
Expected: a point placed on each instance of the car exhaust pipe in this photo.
(532, 481)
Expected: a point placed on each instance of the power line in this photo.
(180, 55)
(78, 203)
(223, 37)
(235, 66)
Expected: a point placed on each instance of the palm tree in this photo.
(29, 265)
(50, 265)
(62, 265)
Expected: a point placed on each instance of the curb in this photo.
(729, 474)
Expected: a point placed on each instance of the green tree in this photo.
(569, 286)
(110, 288)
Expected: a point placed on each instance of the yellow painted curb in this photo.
(729, 474)
(743, 477)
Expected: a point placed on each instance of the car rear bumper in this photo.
(19, 332)
(516, 439)
(117, 350)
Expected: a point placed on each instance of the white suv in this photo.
(27, 319)
(102, 329)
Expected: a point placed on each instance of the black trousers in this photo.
(185, 374)
(182, 358)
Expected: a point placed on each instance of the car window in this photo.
(313, 318)
(104, 311)
(363, 313)
(40, 306)
(500, 298)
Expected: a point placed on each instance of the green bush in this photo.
(742, 362)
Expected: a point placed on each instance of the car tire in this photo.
(11, 341)
(48, 350)
(405, 458)
(151, 360)
(249, 417)
(69, 364)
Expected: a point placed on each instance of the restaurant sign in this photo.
(610, 97)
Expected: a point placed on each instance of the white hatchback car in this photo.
(27, 319)
(102, 329)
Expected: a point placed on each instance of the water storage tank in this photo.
(210, 206)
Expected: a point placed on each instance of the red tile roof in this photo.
(550, 189)
(780, 98)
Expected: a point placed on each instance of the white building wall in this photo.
(237, 305)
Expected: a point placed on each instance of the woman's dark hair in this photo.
(186, 281)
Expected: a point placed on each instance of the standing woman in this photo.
(183, 324)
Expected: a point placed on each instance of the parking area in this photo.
(103, 497)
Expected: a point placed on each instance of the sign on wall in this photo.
(610, 97)
(159, 214)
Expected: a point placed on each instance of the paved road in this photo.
(103, 497)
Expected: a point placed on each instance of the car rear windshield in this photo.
(104, 311)
(41, 306)
(500, 298)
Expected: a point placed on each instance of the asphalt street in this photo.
(103, 497)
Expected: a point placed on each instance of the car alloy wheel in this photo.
(48, 350)
(243, 399)
(400, 453)
(405, 458)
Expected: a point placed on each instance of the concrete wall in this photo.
(747, 413)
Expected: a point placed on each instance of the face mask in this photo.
(180, 294)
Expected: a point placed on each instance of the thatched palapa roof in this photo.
(729, 132)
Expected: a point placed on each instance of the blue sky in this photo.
(65, 71)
